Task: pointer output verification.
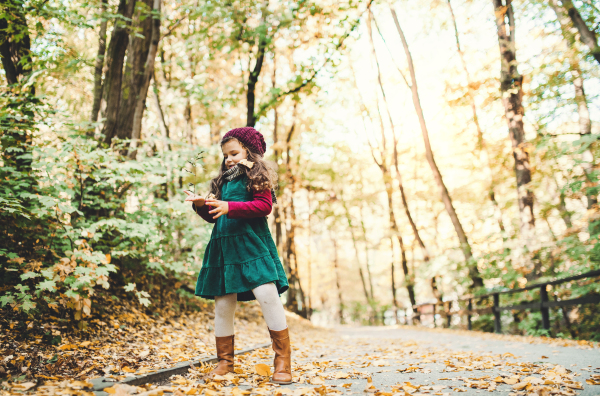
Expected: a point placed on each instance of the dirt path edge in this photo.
(102, 382)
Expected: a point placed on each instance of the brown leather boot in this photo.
(283, 356)
(225, 354)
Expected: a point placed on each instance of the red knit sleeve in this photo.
(202, 211)
(260, 206)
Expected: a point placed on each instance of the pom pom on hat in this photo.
(250, 138)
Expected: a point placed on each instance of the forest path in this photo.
(400, 360)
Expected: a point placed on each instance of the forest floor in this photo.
(392, 360)
(412, 361)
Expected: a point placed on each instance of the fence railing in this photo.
(543, 304)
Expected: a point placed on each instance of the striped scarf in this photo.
(237, 171)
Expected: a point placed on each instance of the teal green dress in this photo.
(241, 254)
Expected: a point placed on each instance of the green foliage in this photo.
(78, 218)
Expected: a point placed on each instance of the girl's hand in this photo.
(195, 199)
(220, 207)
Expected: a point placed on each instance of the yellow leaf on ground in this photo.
(533, 380)
(262, 370)
(317, 381)
(520, 385)
(67, 347)
(510, 381)
(24, 386)
(239, 392)
(590, 381)
(128, 369)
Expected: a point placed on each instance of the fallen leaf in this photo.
(520, 385)
(533, 380)
(262, 370)
(592, 382)
(24, 386)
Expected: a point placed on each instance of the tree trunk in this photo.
(483, 152)
(136, 77)
(295, 292)
(446, 199)
(253, 79)
(277, 157)
(146, 75)
(355, 245)
(114, 75)
(586, 36)
(369, 275)
(336, 267)
(436, 293)
(585, 122)
(309, 309)
(387, 178)
(15, 51)
(164, 128)
(511, 86)
(99, 67)
(395, 156)
(15, 44)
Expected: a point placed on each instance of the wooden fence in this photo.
(543, 304)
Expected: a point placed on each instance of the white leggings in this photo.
(271, 305)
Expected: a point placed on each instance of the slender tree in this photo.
(446, 199)
(253, 78)
(481, 144)
(511, 87)
(145, 75)
(386, 173)
(15, 51)
(586, 35)
(336, 268)
(15, 44)
(296, 300)
(162, 124)
(395, 157)
(99, 66)
(355, 246)
(366, 244)
(585, 121)
(114, 75)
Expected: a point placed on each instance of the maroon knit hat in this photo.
(250, 138)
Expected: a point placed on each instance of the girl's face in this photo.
(233, 153)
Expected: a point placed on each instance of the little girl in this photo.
(241, 261)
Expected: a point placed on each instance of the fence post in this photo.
(545, 310)
(496, 310)
(433, 305)
(449, 316)
(470, 308)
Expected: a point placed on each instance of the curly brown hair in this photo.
(261, 176)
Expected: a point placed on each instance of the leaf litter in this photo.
(323, 364)
(127, 342)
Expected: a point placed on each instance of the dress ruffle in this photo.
(240, 256)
